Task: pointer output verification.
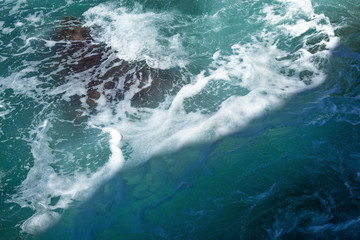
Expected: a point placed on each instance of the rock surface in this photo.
(105, 74)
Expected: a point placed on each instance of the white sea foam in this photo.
(5, 109)
(135, 35)
(2, 176)
(35, 17)
(50, 43)
(40, 221)
(116, 160)
(294, 5)
(22, 83)
(43, 184)
(18, 5)
(7, 30)
(19, 24)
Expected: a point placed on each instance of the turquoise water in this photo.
(246, 128)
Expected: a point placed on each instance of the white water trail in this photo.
(43, 184)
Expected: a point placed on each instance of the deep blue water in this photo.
(180, 119)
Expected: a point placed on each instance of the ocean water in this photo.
(151, 119)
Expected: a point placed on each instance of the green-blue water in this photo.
(247, 128)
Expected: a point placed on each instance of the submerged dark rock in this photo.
(71, 29)
(105, 74)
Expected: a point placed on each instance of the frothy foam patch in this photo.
(116, 160)
(40, 221)
(7, 30)
(47, 191)
(299, 19)
(18, 5)
(137, 35)
(36, 17)
(294, 5)
(266, 71)
(23, 83)
(5, 109)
